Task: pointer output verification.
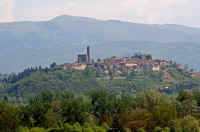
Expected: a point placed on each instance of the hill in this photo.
(121, 94)
(26, 44)
(109, 74)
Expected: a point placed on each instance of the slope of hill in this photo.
(170, 78)
(32, 43)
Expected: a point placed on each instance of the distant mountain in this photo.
(24, 44)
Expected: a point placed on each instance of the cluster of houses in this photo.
(129, 63)
(136, 63)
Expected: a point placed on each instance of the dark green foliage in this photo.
(9, 119)
(74, 110)
(100, 111)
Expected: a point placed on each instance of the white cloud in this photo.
(6, 11)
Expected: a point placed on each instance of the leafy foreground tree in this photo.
(101, 111)
(9, 119)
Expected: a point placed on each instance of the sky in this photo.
(183, 12)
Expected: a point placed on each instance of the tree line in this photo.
(102, 111)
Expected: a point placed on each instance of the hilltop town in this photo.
(136, 73)
(119, 65)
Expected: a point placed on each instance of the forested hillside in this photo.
(19, 88)
(100, 99)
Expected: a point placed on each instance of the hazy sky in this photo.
(143, 11)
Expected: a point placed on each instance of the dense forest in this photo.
(101, 111)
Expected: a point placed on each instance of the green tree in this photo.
(102, 105)
(74, 111)
(163, 115)
(175, 126)
(184, 95)
(9, 120)
(190, 124)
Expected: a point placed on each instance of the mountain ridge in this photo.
(31, 43)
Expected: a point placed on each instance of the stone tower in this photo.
(88, 54)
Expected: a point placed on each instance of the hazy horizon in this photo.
(182, 12)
